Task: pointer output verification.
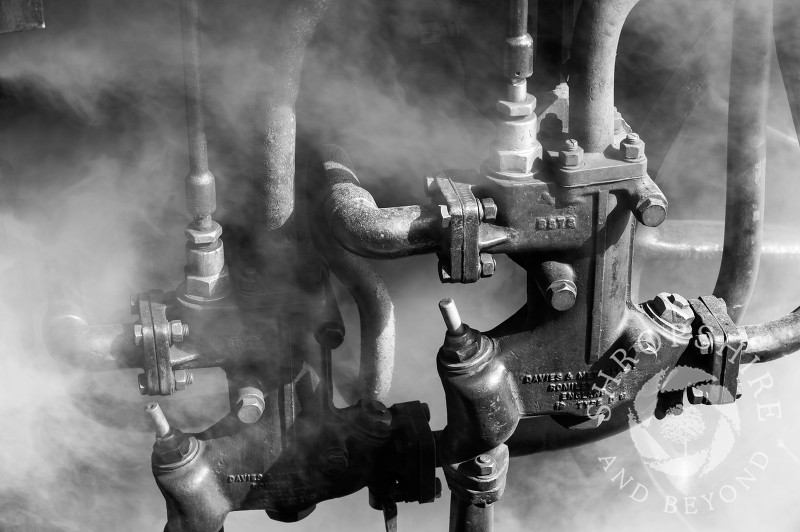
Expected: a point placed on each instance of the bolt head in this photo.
(488, 265)
(178, 331)
(632, 147)
(251, 408)
(562, 294)
(135, 304)
(444, 275)
(572, 157)
(142, 384)
(444, 212)
(137, 333)
(336, 460)
(489, 209)
(652, 211)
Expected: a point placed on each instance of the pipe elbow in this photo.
(69, 338)
(355, 220)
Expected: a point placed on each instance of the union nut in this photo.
(178, 331)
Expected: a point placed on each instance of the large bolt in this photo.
(251, 404)
(571, 155)
(178, 331)
(632, 147)
(673, 308)
(562, 294)
(450, 314)
(485, 464)
(652, 211)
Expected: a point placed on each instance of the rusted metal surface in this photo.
(356, 221)
(21, 15)
(747, 119)
(772, 340)
(787, 47)
(591, 83)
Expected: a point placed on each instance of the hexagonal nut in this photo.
(488, 265)
(429, 184)
(137, 334)
(444, 274)
(520, 162)
(489, 209)
(562, 294)
(444, 212)
(171, 456)
(213, 287)
(652, 211)
(178, 331)
(203, 236)
(571, 158)
(672, 308)
(142, 378)
(251, 408)
(183, 379)
(632, 148)
(513, 109)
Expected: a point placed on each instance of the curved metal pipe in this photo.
(359, 225)
(69, 337)
(747, 121)
(375, 309)
(787, 46)
(591, 82)
(772, 340)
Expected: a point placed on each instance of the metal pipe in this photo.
(787, 47)
(747, 118)
(69, 337)
(772, 340)
(375, 309)
(466, 517)
(360, 226)
(201, 197)
(591, 81)
(275, 140)
(518, 58)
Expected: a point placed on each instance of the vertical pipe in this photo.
(201, 200)
(747, 115)
(787, 45)
(518, 59)
(466, 517)
(591, 83)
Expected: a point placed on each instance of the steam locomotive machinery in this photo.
(561, 193)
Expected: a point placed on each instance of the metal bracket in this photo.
(155, 339)
(727, 342)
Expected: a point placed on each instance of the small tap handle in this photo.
(450, 315)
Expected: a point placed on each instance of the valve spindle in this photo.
(158, 419)
(450, 315)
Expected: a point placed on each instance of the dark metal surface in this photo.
(787, 47)
(21, 15)
(594, 54)
(772, 340)
(747, 116)
(356, 221)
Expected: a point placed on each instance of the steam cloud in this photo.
(93, 142)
